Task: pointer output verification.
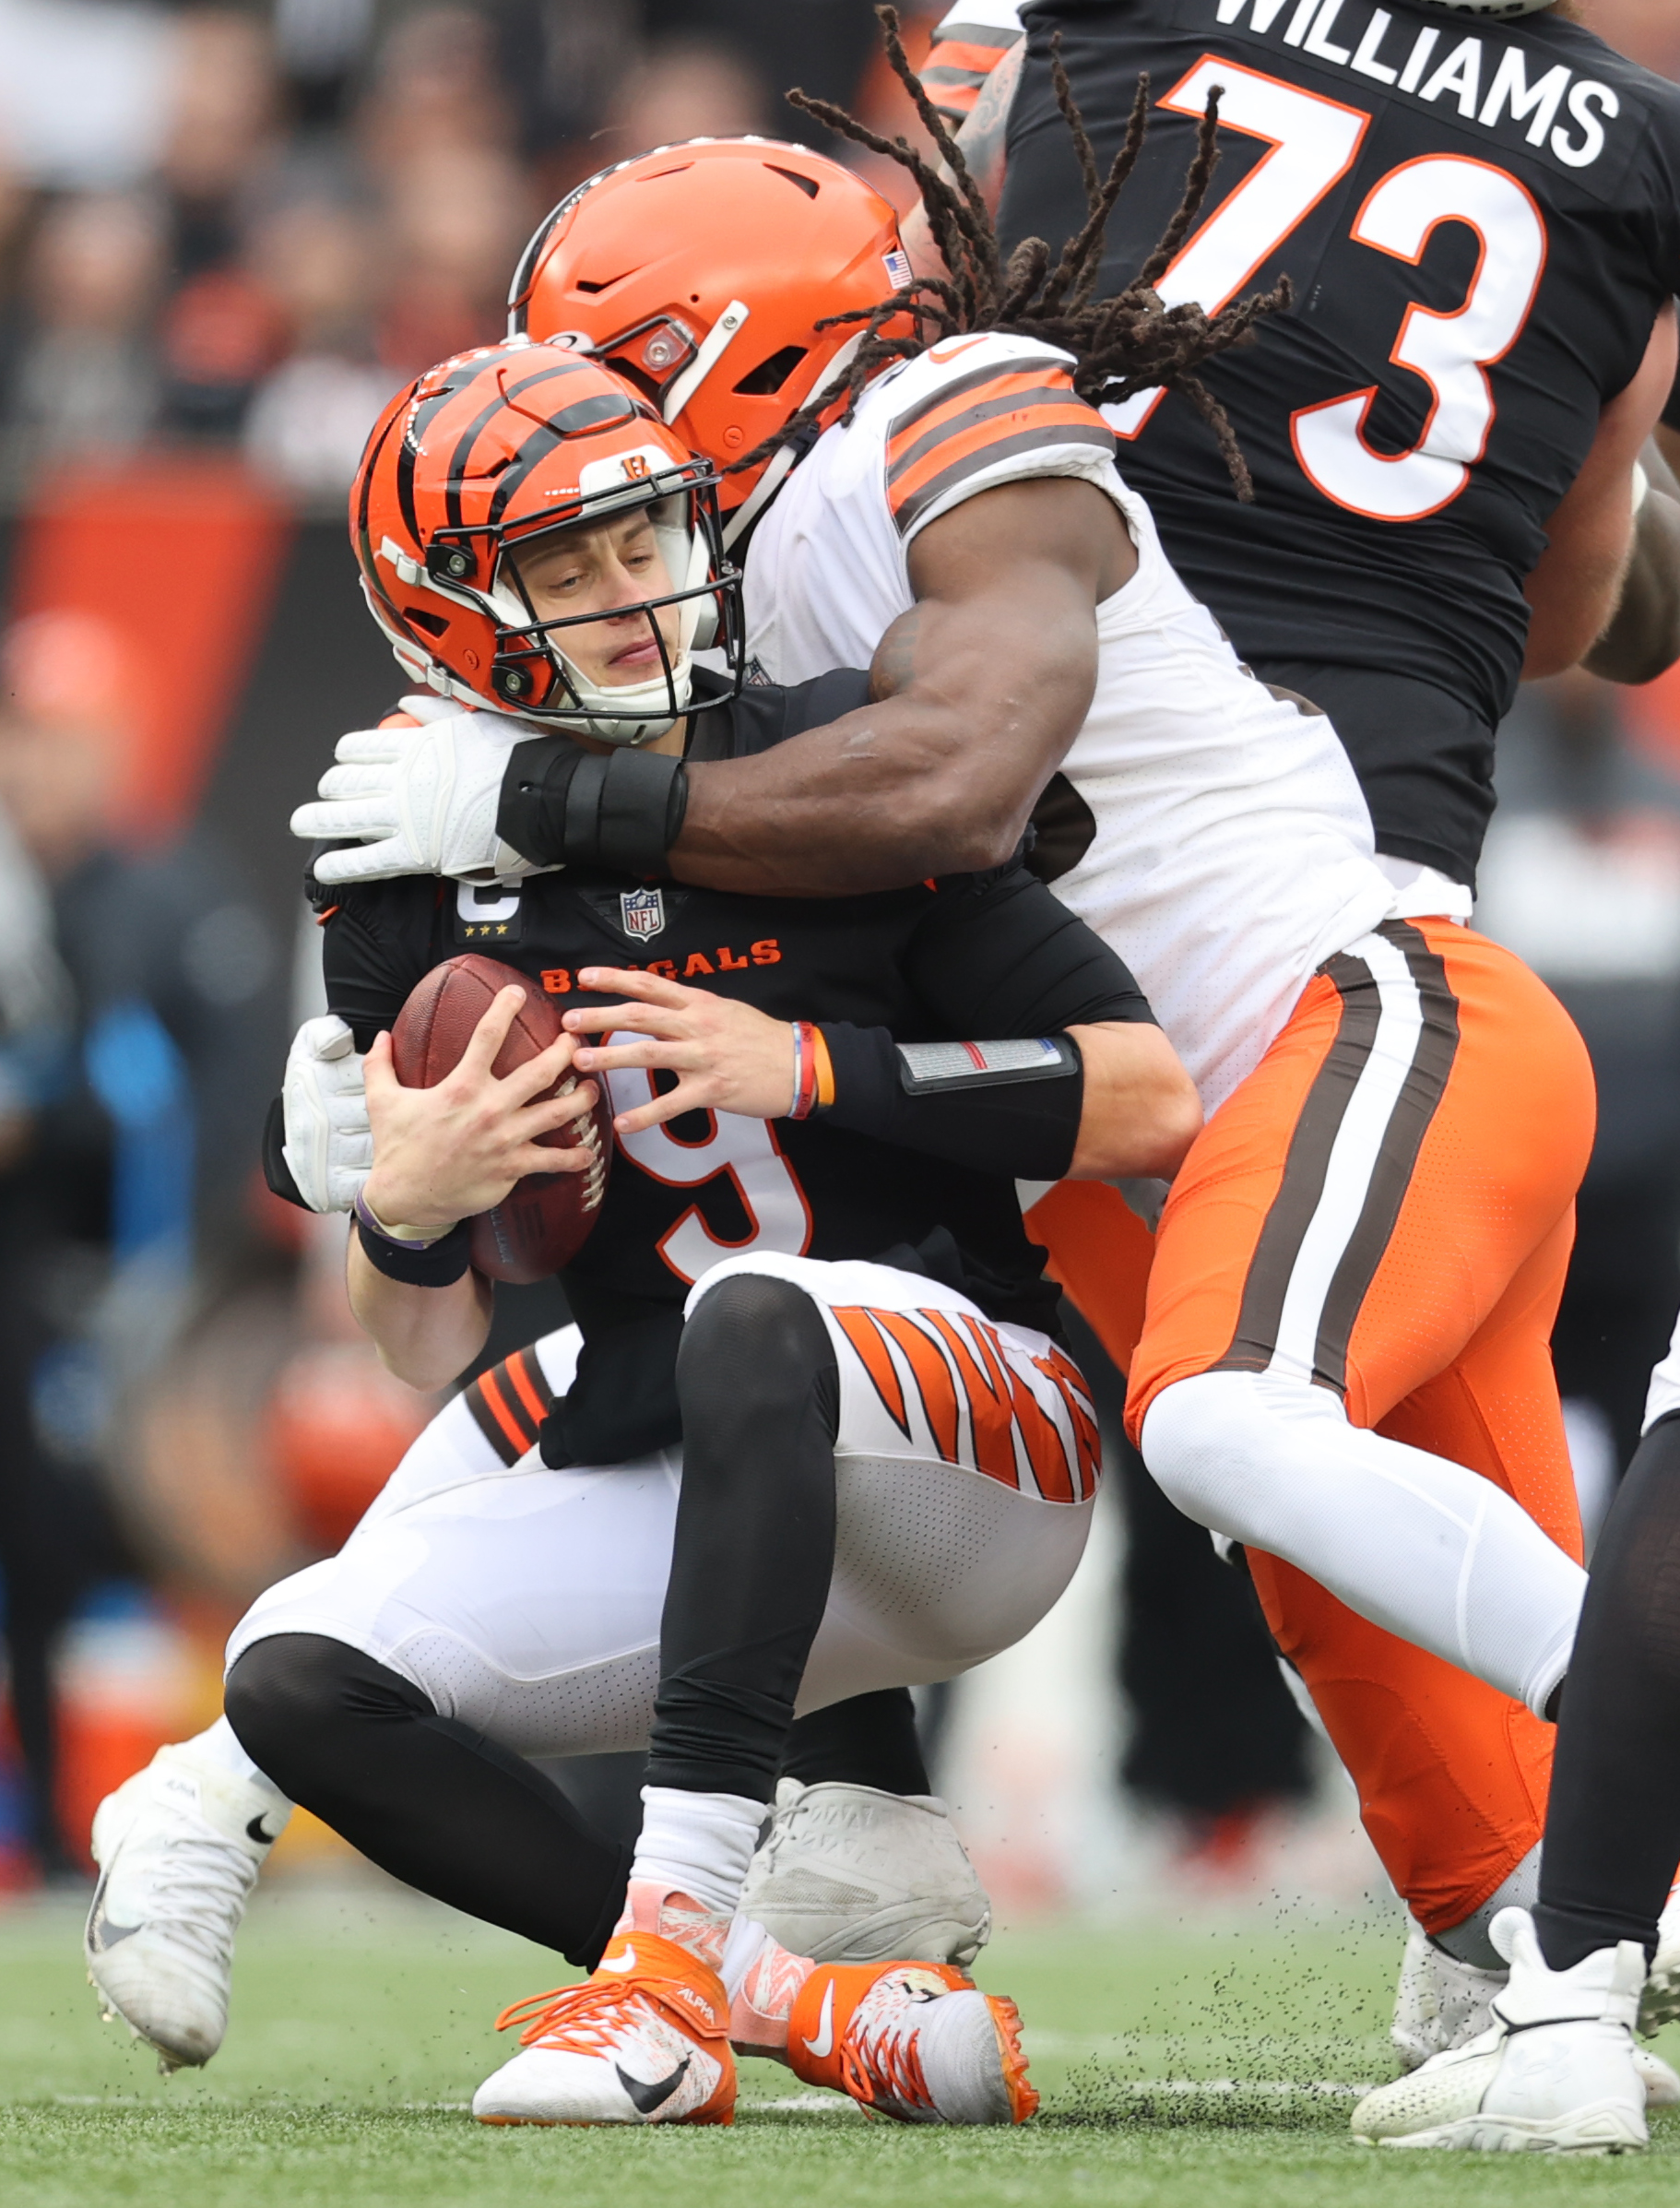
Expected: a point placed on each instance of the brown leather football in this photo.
(544, 1220)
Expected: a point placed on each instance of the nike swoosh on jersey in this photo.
(647, 2095)
(253, 1830)
(823, 2045)
(626, 1964)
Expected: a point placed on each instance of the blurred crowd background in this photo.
(226, 234)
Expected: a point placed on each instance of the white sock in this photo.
(1469, 1940)
(698, 1844)
(1424, 1548)
(220, 1745)
(747, 1942)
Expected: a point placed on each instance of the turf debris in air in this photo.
(1183, 2064)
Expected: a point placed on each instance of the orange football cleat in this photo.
(915, 2041)
(645, 2040)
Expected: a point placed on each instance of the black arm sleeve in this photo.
(1000, 955)
(365, 966)
(375, 947)
(997, 958)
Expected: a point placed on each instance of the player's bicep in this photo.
(1001, 643)
(1062, 537)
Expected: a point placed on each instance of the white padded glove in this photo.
(421, 802)
(329, 1146)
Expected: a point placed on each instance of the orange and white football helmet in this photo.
(703, 273)
(491, 451)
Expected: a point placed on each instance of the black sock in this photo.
(870, 1740)
(426, 1797)
(754, 1548)
(1612, 1830)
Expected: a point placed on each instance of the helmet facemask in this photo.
(533, 674)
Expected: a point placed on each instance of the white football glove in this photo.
(421, 801)
(329, 1146)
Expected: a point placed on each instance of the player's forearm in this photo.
(427, 1337)
(976, 706)
(1101, 1102)
(1140, 1111)
(1642, 639)
(934, 780)
(889, 796)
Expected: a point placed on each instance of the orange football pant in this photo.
(1447, 1349)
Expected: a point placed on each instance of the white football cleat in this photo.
(1443, 2003)
(645, 2040)
(1660, 2078)
(913, 2041)
(848, 1874)
(1554, 2073)
(179, 1846)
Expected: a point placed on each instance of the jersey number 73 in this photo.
(1314, 142)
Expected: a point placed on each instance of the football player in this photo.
(818, 1439)
(1446, 436)
(1371, 1231)
(1600, 1956)
(1521, 87)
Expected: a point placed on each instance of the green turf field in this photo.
(360, 2026)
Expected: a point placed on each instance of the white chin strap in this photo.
(631, 714)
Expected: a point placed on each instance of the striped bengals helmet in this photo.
(702, 272)
(496, 448)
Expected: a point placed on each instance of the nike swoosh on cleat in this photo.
(102, 1933)
(822, 2046)
(626, 1964)
(646, 2097)
(253, 1830)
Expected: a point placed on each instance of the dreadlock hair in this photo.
(1133, 342)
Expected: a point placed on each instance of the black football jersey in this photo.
(969, 957)
(1481, 220)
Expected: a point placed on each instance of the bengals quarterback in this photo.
(812, 1436)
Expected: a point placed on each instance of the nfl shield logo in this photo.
(642, 912)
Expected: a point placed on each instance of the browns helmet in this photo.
(702, 272)
(491, 451)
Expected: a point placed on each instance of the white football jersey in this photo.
(1233, 851)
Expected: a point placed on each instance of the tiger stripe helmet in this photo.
(491, 451)
(704, 273)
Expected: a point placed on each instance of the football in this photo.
(543, 1220)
